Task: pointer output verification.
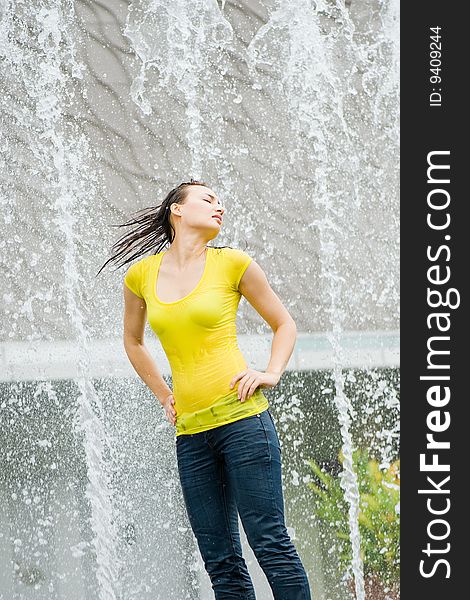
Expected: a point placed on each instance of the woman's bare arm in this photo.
(135, 314)
(256, 289)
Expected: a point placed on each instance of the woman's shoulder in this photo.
(142, 263)
(230, 253)
(235, 262)
(146, 260)
(136, 275)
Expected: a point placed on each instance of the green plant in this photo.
(379, 519)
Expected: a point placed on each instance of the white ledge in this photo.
(106, 358)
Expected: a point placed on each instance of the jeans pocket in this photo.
(274, 430)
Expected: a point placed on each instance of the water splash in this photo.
(382, 82)
(179, 39)
(326, 78)
(297, 51)
(45, 50)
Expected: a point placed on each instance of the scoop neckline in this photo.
(198, 285)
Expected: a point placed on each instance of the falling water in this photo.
(300, 44)
(330, 89)
(60, 151)
(178, 39)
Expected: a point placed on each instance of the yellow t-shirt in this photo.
(198, 335)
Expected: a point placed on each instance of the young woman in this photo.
(227, 447)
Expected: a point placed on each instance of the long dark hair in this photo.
(151, 229)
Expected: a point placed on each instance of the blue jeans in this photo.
(231, 469)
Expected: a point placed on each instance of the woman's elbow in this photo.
(293, 325)
(132, 341)
(288, 323)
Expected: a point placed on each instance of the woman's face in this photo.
(202, 209)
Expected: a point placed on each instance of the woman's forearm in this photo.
(147, 370)
(282, 347)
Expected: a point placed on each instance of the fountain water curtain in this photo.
(292, 102)
(299, 44)
(40, 61)
(178, 39)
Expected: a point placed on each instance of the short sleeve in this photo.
(133, 279)
(238, 261)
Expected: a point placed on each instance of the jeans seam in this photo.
(275, 431)
(271, 474)
(267, 439)
(227, 521)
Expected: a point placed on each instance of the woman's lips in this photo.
(218, 218)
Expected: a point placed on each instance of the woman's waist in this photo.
(207, 366)
(202, 389)
(191, 419)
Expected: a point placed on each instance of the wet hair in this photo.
(151, 229)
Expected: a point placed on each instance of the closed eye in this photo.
(210, 201)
